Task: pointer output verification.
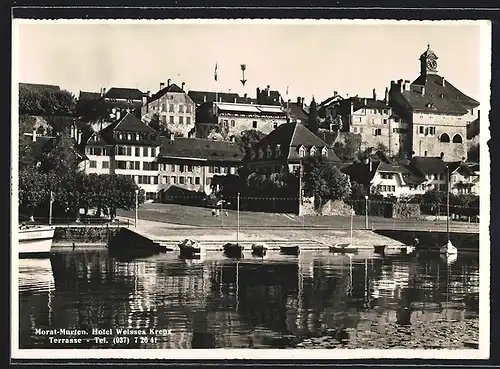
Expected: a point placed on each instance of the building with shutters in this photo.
(437, 112)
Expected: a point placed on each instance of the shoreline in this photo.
(433, 334)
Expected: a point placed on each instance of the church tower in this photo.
(428, 62)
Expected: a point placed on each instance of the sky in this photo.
(311, 58)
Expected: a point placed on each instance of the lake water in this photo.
(217, 302)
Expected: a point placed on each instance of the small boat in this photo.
(290, 250)
(259, 249)
(35, 240)
(448, 249)
(189, 248)
(343, 247)
(233, 250)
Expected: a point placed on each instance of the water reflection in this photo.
(252, 302)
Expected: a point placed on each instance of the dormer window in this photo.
(129, 136)
(278, 150)
(252, 154)
(313, 151)
(324, 152)
(302, 152)
(261, 154)
(137, 136)
(269, 152)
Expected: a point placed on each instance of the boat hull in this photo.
(233, 250)
(289, 250)
(343, 249)
(35, 241)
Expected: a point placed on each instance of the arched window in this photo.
(324, 152)
(252, 154)
(313, 151)
(278, 150)
(302, 152)
(457, 139)
(261, 153)
(269, 152)
(444, 138)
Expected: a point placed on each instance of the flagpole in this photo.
(287, 106)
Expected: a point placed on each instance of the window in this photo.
(181, 180)
(421, 129)
(358, 119)
(181, 120)
(137, 151)
(181, 108)
(181, 168)
(171, 119)
(163, 107)
(189, 168)
(377, 132)
(188, 108)
(93, 164)
(355, 129)
(209, 181)
(137, 165)
(324, 152)
(442, 187)
(302, 152)
(444, 138)
(155, 180)
(144, 151)
(190, 180)
(188, 120)
(173, 180)
(129, 151)
(275, 125)
(217, 170)
(278, 150)
(385, 121)
(171, 108)
(164, 119)
(197, 180)
(425, 153)
(261, 153)
(211, 169)
(105, 165)
(172, 167)
(457, 139)
(165, 180)
(254, 124)
(153, 151)
(361, 130)
(120, 150)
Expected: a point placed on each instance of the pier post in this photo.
(366, 212)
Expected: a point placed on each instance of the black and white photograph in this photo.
(243, 188)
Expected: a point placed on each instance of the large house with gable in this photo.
(437, 113)
(126, 147)
(173, 108)
(284, 149)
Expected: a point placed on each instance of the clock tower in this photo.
(428, 62)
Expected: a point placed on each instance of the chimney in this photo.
(365, 101)
(168, 82)
(204, 98)
(335, 93)
(258, 93)
(374, 95)
(442, 156)
(352, 108)
(234, 100)
(182, 85)
(400, 85)
(162, 85)
(148, 93)
(444, 82)
(407, 85)
(100, 91)
(386, 97)
(245, 96)
(103, 91)
(268, 91)
(220, 98)
(299, 102)
(422, 90)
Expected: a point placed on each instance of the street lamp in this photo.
(366, 211)
(136, 206)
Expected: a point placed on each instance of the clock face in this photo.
(431, 64)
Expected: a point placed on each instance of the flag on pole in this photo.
(286, 90)
(215, 72)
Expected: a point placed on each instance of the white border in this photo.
(302, 354)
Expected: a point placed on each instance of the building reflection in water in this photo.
(218, 302)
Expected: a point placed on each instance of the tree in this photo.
(324, 180)
(383, 148)
(155, 122)
(473, 153)
(33, 190)
(312, 119)
(60, 156)
(46, 101)
(349, 148)
(247, 139)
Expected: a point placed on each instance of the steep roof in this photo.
(331, 100)
(297, 111)
(291, 136)
(195, 148)
(38, 86)
(461, 168)
(88, 96)
(170, 88)
(428, 165)
(473, 129)
(199, 97)
(437, 98)
(360, 172)
(124, 93)
(129, 123)
(360, 103)
(250, 108)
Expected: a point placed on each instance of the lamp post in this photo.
(51, 201)
(238, 219)
(136, 206)
(366, 211)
